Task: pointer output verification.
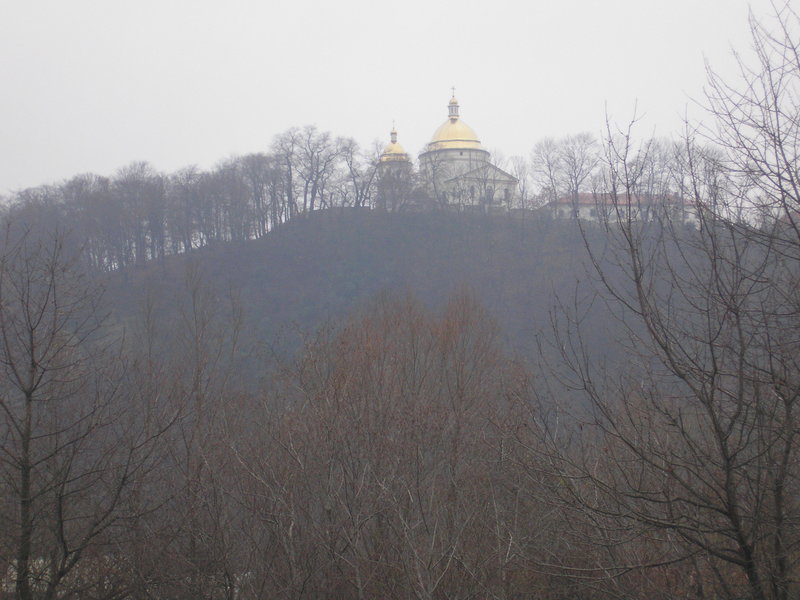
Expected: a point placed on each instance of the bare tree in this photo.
(546, 167)
(182, 220)
(520, 169)
(317, 160)
(692, 446)
(361, 169)
(74, 446)
(385, 467)
(579, 158)
(756, 122)
(139, 190)
(562, 167)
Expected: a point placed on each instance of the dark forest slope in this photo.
(325, 266)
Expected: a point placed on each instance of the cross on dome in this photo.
(452, 107)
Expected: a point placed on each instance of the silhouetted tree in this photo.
(75, 445)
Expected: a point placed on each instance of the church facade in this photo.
(454, 172)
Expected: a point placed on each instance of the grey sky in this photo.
(89, 86)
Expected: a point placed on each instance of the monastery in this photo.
(454, 172)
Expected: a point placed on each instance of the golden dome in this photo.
(393, 150)
(454, 133)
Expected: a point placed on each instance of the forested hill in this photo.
(646, 447)
(326, 265)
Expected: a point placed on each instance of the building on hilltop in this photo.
(454, 172)
(457, 171)
(395, 181)
(605, 207)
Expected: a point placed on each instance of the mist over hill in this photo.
(244, 383)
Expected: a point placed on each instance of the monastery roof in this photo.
(454, 133)
(393, 150)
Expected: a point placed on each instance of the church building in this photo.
(395, 176)
(454, 171)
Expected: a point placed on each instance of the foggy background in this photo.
(89, 86)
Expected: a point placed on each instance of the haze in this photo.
(89, 86)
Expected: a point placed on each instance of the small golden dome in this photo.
(393, 151)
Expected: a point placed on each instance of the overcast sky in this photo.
(90, 86)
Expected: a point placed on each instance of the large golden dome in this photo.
(454, 133)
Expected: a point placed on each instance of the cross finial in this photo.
(452, 106)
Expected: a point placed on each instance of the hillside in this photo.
(327, 265)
